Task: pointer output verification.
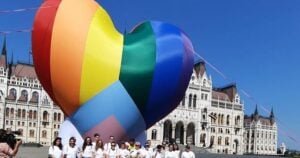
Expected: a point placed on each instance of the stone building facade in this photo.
(24, 104)
(206, 117)
(260, 134)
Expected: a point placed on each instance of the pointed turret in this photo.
(199, 68)
(4, 47)
(3, 57)
(10, 65)
(256, 114)
(272, 117)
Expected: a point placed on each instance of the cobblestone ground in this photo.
(32, 152)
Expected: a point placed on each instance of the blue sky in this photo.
(255, 43)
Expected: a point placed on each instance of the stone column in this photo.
(197, 135)
(184, 136)
(173, 131)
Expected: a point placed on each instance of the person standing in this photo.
(5, 150)
(71, 150)
(99, 149)
(188, 153)
(124, 152)
(158, 152)
(96, 139)
(170, 153)
(87, 148)
(55, 151)
(148, 150)
(138, 152)
(107, 146)
(113, 152)
(176, 150)
(131, 144)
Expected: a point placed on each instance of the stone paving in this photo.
(33, 152)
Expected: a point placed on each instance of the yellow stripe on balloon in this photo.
(70, 31)
(102, 57)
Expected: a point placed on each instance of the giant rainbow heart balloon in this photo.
(104, 81)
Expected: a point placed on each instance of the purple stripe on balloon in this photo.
(187, 69)
(109, 127)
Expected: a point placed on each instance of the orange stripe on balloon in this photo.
(69, 37)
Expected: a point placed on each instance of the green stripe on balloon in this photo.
(138, 63)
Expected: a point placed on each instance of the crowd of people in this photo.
(96, 148)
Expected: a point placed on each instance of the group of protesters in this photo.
(96, 148)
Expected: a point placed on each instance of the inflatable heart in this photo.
(103, 81)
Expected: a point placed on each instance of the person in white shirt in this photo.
(112, 152)
(148, 150)
(99, 149)
(138, 152)
(187, 153)
(96, 138)
(158, 152)
(108, 145)
(124, 152)
(170, 153)
(55, 151)
(176, 150)
(71, 150)
(87, 148)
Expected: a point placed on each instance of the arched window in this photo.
(45, 116)
(238, 119)
(34, 114)
(24, 95)
(31, 133)
(44, 134)
(55, 116)
(219, 140)
(30, 114)
(58, 117)
(228, 120)
(194, 101)
(35, 97)
(227, 141)
(45, 101)
(19, 113)
(222, 119)
(190, 100)
(23, 113)
(55, 134)
(12, 110)
(21, 131)
(13, 93)
(154, 134)
(202, 138)
(7, 112)
(183, 100)
(212, 140)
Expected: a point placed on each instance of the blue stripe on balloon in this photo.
(187, 69)
(114, 100)
(168, 68)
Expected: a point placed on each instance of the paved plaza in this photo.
(33, 152)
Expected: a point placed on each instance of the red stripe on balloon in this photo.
(42, 27)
